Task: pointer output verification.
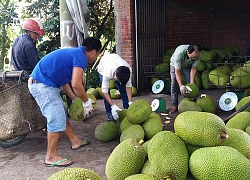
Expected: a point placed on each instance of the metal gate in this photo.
(150, 40)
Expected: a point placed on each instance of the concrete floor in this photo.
(25, 160)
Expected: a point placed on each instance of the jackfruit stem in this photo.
(223, 135)
(141, 142)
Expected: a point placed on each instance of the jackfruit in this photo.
(206, 103)
(125, 160)
(166, 58)
(238, 140)
(218, 78)
(100, 94)
(201, 67)
(246, 66)
(152, 125)
(76, 174)
(195, 90)
(134, 131)
(184, 106)
(209, 65)
(162, 68)
(242, 102)
(93, 91)
(221, 162)
(141, 177)
(76, 108)
(206, 84)
(154, 79)
(106, 131)
(112, 84)
(246, 92)
(206, 56)
(115, 94)
(200, 128)
(167, 157)
(240, 78)
(191, 148)
(239, 121)
(124, 124)
(248, 130)
(134, 91)
(122, 114)
(197, 80)
(139, 111)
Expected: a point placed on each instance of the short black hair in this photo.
(123, 74)
(92, 43)
(191, 48)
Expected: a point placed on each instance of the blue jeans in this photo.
(175, 85)
(51, 105)
(124, 97)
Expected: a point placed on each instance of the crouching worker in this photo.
(113, 67)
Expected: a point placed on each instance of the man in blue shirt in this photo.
(53, 73)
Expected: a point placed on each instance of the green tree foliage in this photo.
(7, 16)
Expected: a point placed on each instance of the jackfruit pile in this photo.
(204, 103)
(201, 147)
(218, 68)
(114, 93)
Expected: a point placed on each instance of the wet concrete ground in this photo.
(25, 160)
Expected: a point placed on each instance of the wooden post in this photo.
(67, 27)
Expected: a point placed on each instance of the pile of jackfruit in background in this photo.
(222, 67)
(114, 93)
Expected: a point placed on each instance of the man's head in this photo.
(33, 27)
(193, 51)
(123, 74)
(92, 48)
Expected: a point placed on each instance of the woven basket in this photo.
(19, 112)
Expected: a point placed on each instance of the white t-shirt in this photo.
(107, 67)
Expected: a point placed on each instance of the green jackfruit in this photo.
(100, 94)
(246, 92)
(191, 148)
(106, 131)
(221, 162)
(206, 84)
(218, 78)
(198, 80)
(206, 103)
(239, 121)
(240, 78)
(201, 67)
(122, 114)
(115, 94)
(75, 174)
(134, 91)
(206, 56)
(167, 157)
(124, 124)
(246, 66)
(184, 106)
(76, 109)
(162, 68)
(141, 177)
(195, 90)
(248, 130)
(93, 91)
(242, 102)
(112, 84)
(209, 65)
(125, 160)
(166, 58)
(200, 128)
(139, 111)
(152, 125)
(238, 140)
(133, 131)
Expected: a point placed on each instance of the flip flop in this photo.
(57, 163)
(84, 143)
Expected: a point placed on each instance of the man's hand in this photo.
(114, 110)
(183, 90)
(130, 102)
(88, 108)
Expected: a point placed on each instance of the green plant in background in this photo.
(93, 80)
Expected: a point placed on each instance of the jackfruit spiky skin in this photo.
(206, 84)
(133, 131)
(200, 128)
(122, 114)
(134, 91)
(114, 94)
(139, 111)
(76, 109)
(248, 130)
(124, 124)
(162, 68)
(195, 90)
(221, 162)
(167, 157)
(112, 84)
(246, 66)
(188, 106)
(93, 91)
(99, 90)
(152, 125)
(246, 92)
(125, 160)
(206, 103)
(141, 177)
(75, 174)
(218, 78)
(239, 121)
(242, 102)
(191, 148)
(106, 131)
(238, 140)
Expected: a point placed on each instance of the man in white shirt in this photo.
(112, 66)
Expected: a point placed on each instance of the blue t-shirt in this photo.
(55, 69)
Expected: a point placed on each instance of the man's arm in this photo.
(192, 75)
(129, 93)
(68, 91)
(178, 76)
